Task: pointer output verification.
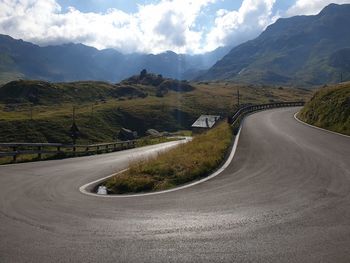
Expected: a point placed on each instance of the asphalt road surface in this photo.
(284, 198)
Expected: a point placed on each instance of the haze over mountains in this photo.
(73, 62)
(302, 50)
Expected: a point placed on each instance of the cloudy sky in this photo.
(149, 26)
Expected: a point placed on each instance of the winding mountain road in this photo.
(284, 198)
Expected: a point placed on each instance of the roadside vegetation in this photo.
(329, 108)
(185, 163)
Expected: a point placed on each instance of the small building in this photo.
(204, 123)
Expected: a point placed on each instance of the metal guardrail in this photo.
(15, 149)
(236, 119)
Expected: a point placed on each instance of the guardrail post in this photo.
(15, 154)
(39, 154)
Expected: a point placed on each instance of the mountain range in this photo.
(75, 62)
(297, 51)
(301, 50)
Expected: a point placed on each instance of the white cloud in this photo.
(234, 27)
(167, 25)
(154, 28)
(311, 7)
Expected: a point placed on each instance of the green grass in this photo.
(329, 108)
(187, 162)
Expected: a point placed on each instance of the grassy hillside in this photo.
(45, 93)
(36, 111)
(329, 108)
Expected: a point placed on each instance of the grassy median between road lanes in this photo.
(185, 163)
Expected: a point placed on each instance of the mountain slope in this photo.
(74, 62)
(301, 50)
(329, 108)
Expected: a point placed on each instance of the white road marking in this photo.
(83, 189)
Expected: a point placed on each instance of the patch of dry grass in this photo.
(178, 166)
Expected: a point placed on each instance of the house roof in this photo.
(205, 121)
